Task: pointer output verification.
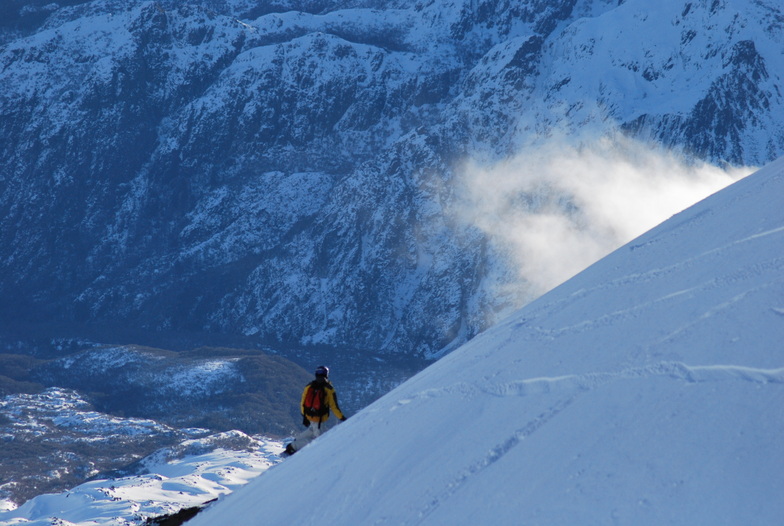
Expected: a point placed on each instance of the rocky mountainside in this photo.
(285, 171)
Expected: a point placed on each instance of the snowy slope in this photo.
(649, 389)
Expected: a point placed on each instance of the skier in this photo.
(318, 398)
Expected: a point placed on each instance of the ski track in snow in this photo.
(495, 454)
(573, 386)
(589, 381)
(657, 274)
(676, 370)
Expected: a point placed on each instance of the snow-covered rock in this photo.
(57, 439)
(186, 476)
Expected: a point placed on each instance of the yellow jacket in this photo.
(330, 403)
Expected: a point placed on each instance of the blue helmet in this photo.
(322, 370)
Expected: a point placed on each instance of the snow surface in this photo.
(648, 389)
(172, 482)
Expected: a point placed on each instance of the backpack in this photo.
(316, 400)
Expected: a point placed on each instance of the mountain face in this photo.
(285, 172)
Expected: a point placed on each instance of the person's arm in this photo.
(333, 404)
(305, 419)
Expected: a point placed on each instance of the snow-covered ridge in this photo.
(188, 468)
(64, 409)
(57, 439)
(190, 475)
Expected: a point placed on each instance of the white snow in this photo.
(172, 484)
(203, 378)
(648, 389)
(55, 410)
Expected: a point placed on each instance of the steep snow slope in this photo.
(649, 389)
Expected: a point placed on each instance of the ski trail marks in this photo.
(738, 276)
(576, 383)
(493, 456)
(570, 387)
(677, 370)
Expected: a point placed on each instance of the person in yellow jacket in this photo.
(318, 399)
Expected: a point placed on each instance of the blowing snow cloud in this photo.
(556, 209)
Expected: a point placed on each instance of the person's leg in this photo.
(306, 437)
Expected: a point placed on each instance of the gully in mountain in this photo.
(318, 399)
